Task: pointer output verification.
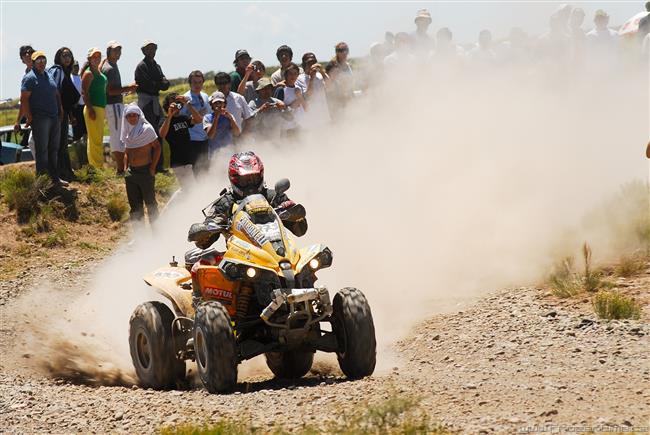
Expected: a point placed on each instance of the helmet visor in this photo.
(248, 180)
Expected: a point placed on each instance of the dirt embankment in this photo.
(517, 360)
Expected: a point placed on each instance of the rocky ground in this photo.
(518, 360)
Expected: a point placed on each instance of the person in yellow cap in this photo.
(93, 87)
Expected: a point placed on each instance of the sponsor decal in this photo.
(250, 229)
(217, 293)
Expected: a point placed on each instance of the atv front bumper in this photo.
(305, 306)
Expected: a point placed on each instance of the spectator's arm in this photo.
(164, 83)
(211, 127)
(25, 110)
(164, 128)
(58, 100)
(86, 80)
(196, 116)
(236, 131)
(647, 151)
(156, 156)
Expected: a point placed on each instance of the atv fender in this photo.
(168, 281)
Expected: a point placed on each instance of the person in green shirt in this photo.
(93, 87)
(242, 59)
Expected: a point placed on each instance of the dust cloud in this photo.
(431, 192)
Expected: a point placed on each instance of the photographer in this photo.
(254, 71)
(220, 125)
(269, 114)
(176, 130)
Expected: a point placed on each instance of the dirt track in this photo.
(516, 359)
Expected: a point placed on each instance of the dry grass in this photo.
(630, 265)
(395, 415)
(613, 305)
(117, 207)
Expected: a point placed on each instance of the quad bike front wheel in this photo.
(355, 333)
(292, 364)
(150, 342)
(215, 348)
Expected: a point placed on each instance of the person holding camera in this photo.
(269, 114)
(220, 125)
(176, 129)
(248, 85)
(235, 103)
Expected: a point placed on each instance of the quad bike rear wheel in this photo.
(355, 333)
(150, 342)
(292, 364)
(215, 348)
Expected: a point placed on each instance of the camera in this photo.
(178, 106)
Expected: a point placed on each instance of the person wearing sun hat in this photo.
(269, 114)
(421, 40)
(40, 104)
(93, 89)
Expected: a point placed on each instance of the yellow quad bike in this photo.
(259, 298)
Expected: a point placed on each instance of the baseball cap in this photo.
(241, 53)
(37, 54)
(263, 83)
(217, 96)
(114, 44)
(92, 51)
(148, 42)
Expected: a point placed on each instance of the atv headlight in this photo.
(314, 263)
(251, 272)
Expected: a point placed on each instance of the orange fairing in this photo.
(214, 286)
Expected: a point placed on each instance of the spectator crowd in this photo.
(253, 106)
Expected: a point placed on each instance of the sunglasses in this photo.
(342, 50)
(66, 55)
(41, 60)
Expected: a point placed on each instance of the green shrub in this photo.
(22, 190)
(89, 175)
(117, 207)
(613, 305)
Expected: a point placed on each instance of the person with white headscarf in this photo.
(140, 159)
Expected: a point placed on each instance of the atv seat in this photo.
(210, 256)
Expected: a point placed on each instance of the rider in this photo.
(246, 173)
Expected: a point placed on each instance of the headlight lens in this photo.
(251, 272)
(314, 263)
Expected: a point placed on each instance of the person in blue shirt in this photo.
(220, 125)
(40, 104)
(198, 100)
